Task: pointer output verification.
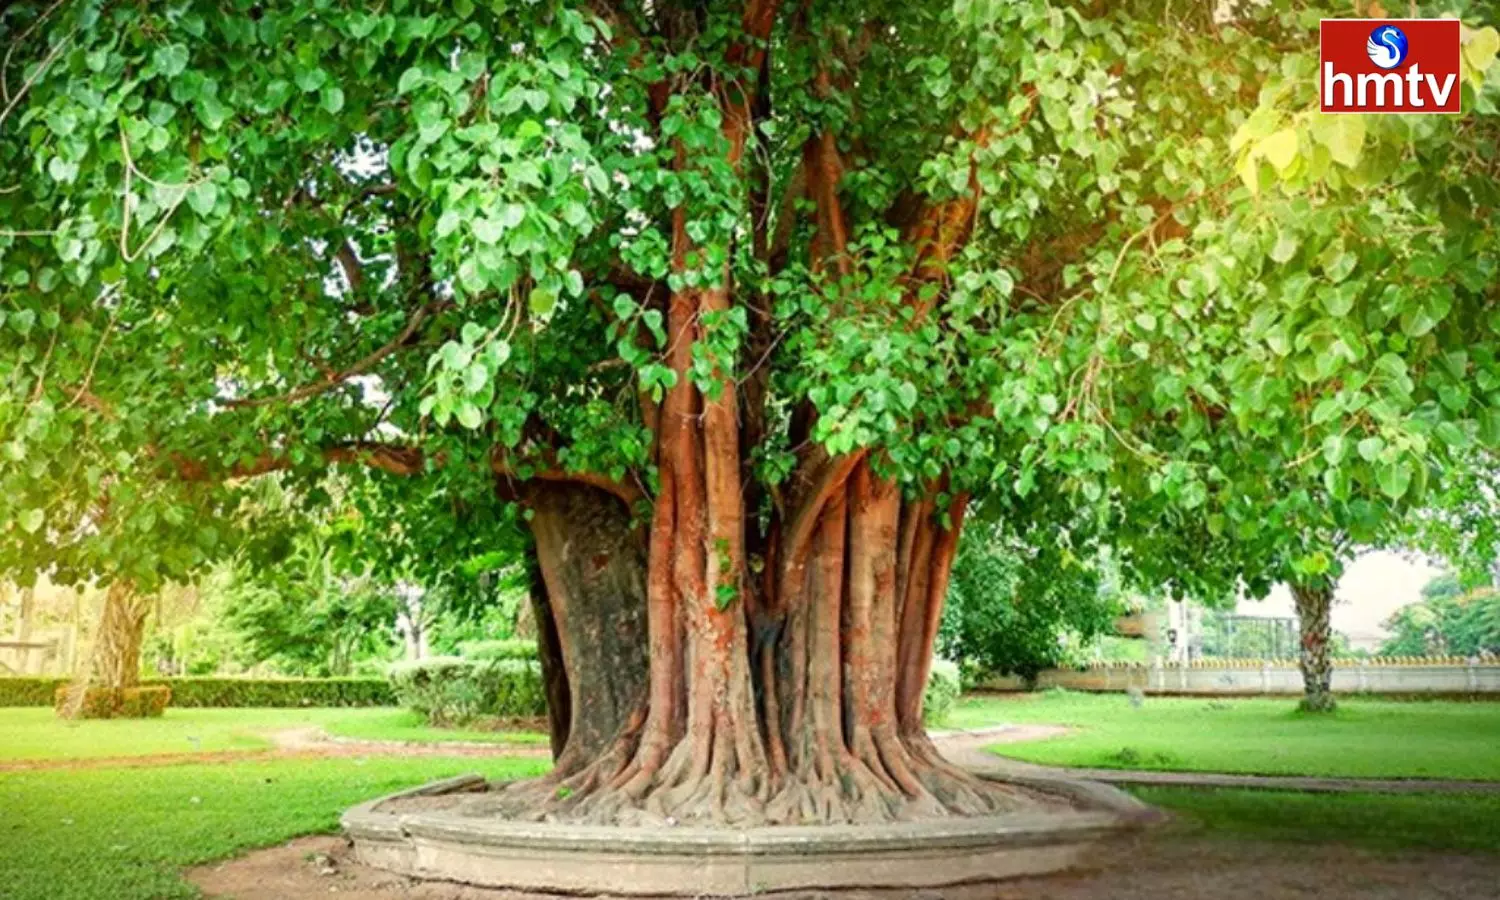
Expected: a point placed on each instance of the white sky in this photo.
(1375, 585)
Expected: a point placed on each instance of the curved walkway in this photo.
(967, 748)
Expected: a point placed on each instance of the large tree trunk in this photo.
(1313, 607)
(792, 698)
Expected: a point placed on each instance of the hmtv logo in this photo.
(1390, 66)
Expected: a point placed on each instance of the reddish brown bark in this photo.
(783, 687)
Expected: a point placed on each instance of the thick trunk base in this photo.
(793, 702)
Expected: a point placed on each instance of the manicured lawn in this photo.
(36, 733)
(124, 833)
(1443, 822)
(1365, 738)
(389, 724)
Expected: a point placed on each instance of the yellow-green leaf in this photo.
(1481, 47)
(1279, 148)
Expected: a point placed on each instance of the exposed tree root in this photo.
(890, 779)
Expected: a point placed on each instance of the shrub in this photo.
(226, 692)
(116, 703)
(513, 648)
(279, 692)
(29, 691)
(144, 702)
(943, 689)
(451, 690)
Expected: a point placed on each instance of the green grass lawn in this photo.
(1365, 738)
(124, 833)
(390, 724)
(29, 733)
(1439, 822)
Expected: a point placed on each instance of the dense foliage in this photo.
(1453, 619)
(1019, 608)
(451, 690)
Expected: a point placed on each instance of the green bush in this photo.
(943, 689)
(117, 703)
(29, 691)
(278, 692)
(513, 648)
(451, 690)
(226, 692)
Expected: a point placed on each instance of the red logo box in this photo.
(1390, 66)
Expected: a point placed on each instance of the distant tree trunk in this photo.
(115, 662)
(1313, 606)
(117, 646)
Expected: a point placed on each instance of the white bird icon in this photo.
(1384, 47)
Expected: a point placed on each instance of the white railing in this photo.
(1376, 675)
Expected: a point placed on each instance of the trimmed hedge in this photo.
(226, 692)
(199, 692)
(451, 690)
(26, 691)
(118, 703)
(512, 648)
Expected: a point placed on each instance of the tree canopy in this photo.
(792, 284)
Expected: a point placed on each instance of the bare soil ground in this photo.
(1167, 865)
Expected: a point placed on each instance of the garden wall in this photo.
(1438, 676)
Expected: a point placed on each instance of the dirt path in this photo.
(289, 743)
(1165, 866)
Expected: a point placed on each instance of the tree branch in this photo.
(333, 380)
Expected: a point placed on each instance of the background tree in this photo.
(1452, 619)
(1017, 606)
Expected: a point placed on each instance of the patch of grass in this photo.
(1364, 738)
(31, 733)
(386, 724)
(1438, 822)
(125, 833)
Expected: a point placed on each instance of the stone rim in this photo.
(557, 858)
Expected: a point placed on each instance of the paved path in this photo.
(967, 749)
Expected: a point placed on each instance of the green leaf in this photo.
(1481, 48)
(542, 301)
(907, 393)
(32, 519)
(1370, 447)
(1394, 478)
(1335, 447)
(170, 59)
(468, 415)
(202, 197)
(1279, 148)
(1345, 139)
(409, 80)
(1285, 247)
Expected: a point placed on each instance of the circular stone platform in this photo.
(425, 833)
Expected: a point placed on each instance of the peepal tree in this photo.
(743, 304)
